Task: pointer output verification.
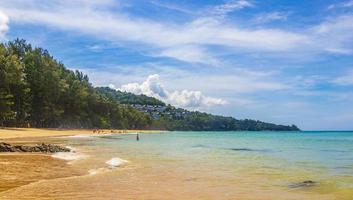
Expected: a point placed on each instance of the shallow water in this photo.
(202, 165)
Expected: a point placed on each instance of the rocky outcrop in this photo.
(43, 148)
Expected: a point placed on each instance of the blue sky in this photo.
(277, 61)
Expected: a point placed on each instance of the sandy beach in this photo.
(11, 133)
(20, 169)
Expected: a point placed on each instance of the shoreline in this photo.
(14, 133)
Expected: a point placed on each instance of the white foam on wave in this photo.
(93, 172)
(79, 136)
(85, 136)
(116, 162)
(112, 163)
(69, 156)
(131, 133)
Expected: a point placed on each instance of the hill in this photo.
(171, 118)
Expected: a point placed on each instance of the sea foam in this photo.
(112, 163)
(85, 136)
(69, 156)
(79, 136)
(116, 162)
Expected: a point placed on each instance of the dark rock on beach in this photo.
(43, 148)
(242, 149)
(304, 184)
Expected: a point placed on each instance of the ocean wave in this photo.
(79, 136)
(112, 163)
(69, 156)
(116, 162)
(85, 136)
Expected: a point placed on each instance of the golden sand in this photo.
(151, 181)
(18, 169)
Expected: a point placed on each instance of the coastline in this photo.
(13, 133)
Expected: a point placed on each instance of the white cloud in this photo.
(151, 87)
(343, 51)
(4, 20)
(335, 35)
(345, 80)
(96, 48)
(346, 4)
(272, 16)
(190, 54)
(163, 38)
(236, 81)
(333, 25)
(193, 99)
(170, 6)
(232, 80)
(230, 6)
(112, 86)
(185, 98)
(190, 41)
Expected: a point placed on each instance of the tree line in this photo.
(129, 98)
(38, 91)
(199, 121)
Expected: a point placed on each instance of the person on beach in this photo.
(137, 137)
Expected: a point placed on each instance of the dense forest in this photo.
(198, 121)
(38, 91)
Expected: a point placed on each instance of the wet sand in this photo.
(18, 169)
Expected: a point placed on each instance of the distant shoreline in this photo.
(12, 133)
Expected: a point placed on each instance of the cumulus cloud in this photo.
(193, 99)
(152, 86)
(4, 20)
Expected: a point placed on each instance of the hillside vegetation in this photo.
(171, 118)
(38, 91)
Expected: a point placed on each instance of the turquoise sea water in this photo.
(268, 161)
(331, 151)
